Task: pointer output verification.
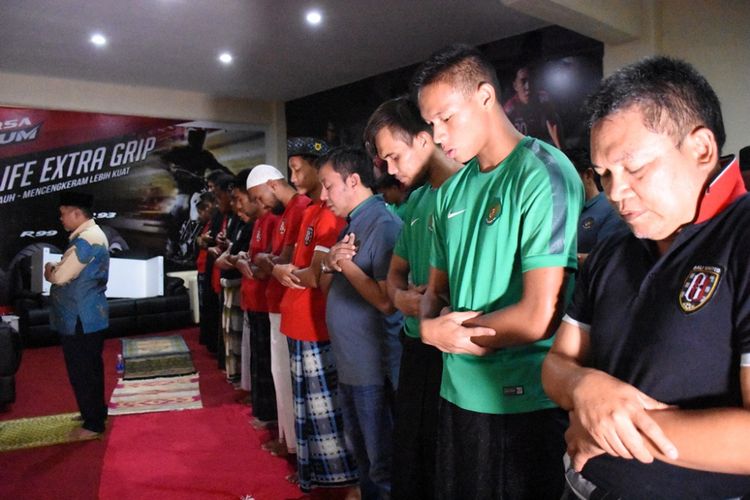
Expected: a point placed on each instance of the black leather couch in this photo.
(126, 317)
(10, 359)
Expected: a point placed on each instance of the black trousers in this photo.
(83, 360)
(505, 457)
(416, 422)
(209, 313)
(263, 393)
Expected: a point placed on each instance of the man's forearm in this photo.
(535, 317)
(367, 287)
(516, 325)
(560, 375)
(67, 269)
(223, 262)
(716, 439)
(396, 282)
(308, 277)
(431, 305)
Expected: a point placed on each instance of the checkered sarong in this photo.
(231, 321)
(322, 457)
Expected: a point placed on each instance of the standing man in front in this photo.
(366, 349)
(398, 135)
(79, 312)
(653, 356)
(504, 244)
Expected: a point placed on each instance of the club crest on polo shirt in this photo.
(698, 287)
(309, 235)
(587, 223)
(258, 234)
(282, 227)
(493, 212)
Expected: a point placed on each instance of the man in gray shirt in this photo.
(360, 315)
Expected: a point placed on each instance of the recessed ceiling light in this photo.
(98, 39)
(226, 58)
(314, 17)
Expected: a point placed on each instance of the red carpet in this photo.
(75, 471)
(210, 453)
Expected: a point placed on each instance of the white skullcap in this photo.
(260, 174)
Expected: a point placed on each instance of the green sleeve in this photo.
(551, 202)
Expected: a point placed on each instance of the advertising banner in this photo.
(145, 175)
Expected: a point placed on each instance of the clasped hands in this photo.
(285, 274)
(611, 416)
(407, 301)
(343, 251)
(448, 333)
(242, 264)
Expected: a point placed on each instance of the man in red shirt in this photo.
(256, 333)
(267, 187)
(322, 457)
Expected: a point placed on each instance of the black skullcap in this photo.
(76, 199)
(306, 146)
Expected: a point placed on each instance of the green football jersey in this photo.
(398, 210)
(413, 243)
(489, 229)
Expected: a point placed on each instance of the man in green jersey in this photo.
(504, 244)
(397, 135)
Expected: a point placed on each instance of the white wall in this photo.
(74, 95)
(713, 36)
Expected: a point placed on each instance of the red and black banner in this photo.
(144, 174)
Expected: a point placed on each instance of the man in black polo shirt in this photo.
(653, 356)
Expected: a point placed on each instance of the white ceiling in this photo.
(175, 43)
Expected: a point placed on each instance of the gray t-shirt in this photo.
(364, 340)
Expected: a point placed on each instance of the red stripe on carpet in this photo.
(210, 453)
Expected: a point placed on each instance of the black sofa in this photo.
(126, 316)
(10, 359)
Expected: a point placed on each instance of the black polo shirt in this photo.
(675, 326)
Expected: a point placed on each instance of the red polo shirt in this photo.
(285, 234)
(254, 290)
(303, 312)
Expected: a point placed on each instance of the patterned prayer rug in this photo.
(155, 394)
(153, 346)
(38, 431)
(159, 366)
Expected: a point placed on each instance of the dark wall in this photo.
(567, 65)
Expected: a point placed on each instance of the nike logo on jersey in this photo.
(453, 214)
(414, 221)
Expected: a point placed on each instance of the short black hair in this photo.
(240, 180)
(580, 158)
(460, 65)
(673, 97)
(387, 181)
(206, 199)
(214, 174)
(347, 161)
(401, 116)
(225, 183)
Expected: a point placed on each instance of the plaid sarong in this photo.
(322, 457)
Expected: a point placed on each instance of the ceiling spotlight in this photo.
(226, 58)
(314, 17)
(98, 39)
